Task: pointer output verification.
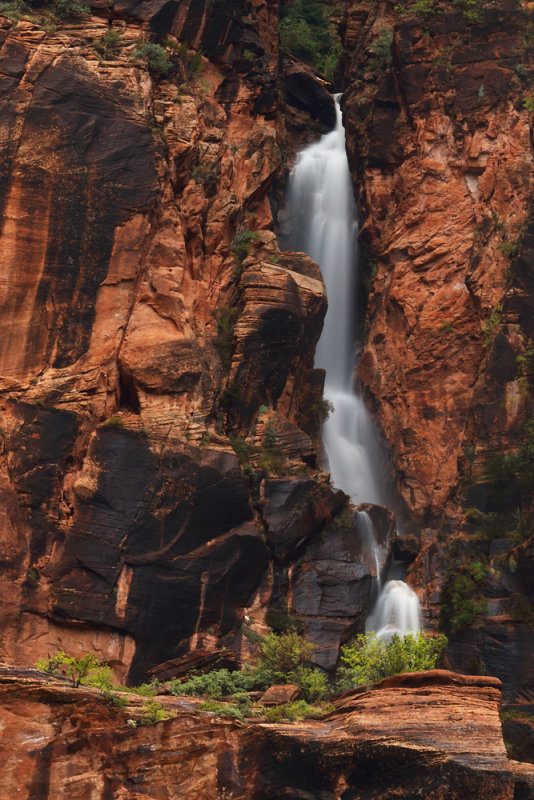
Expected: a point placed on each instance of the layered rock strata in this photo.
(435, 735)
(438, 113)
(440, 143)
(157, 388)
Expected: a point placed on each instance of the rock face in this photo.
(440, 145)
(439, 134)
(152, 330)
(442, 740)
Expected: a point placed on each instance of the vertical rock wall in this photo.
(156, 380)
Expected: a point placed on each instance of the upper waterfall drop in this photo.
(325, 226)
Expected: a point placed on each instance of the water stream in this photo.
(324, 225)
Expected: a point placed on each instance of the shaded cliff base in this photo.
(435, 735)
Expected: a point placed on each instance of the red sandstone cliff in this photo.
(147, 316)
(143, 326)
(439, 130)
(435, 736)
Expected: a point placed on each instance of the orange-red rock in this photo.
(439, 142)
(439, 738)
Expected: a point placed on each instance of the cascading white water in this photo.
(397, 611)
(368, 532)
(324, 225)
(323, 212)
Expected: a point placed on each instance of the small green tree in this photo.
(369, 659)
(283, 654)
(286, 659)
(153, 712)
(69, 9)
(108, 44)
(76, 668)
(154, 56)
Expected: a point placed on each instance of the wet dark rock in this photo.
(330, 585)
(294, 509)
(197, 662)
(306, 92)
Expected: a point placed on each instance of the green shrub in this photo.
(15, 10)
(312, 682)
(144, 690)
(283, 654)
(241, 448)
(296, 37)
(108, 44)
(491, 326)
(153, 712)
(225, 709)
(100, 676)
(76, 668)
(280, 620)
(269, 436)
(461, 600)
(69, 9)
(381, 47)
(473, 10)
(204, 173)
(221, 682)
(241, 244)
(32, 576)
(308, 30)
(314, 415)
(369, 659)
(421, 6)
(282, 659)
(299, 709)
(226, 318)
(114, 422)
(115, 699)
(154, 56)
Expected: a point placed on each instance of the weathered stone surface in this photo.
(196, 662)
(119, 260)
(330, 586)
(440, 147)
(440, 143)
(276, 695)
(282, 309)
(439, 736)
(294, 509)
(518, 735)
(304, 91)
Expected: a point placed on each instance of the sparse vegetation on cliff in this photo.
(108, 44)
(282, 659)
(78, 669)
(154, 56)
(307, 32)
(461, 598)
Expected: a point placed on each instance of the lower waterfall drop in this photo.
(324, 225)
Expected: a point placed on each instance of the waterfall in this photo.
(324, 225)
(367, 529)
(397, 611)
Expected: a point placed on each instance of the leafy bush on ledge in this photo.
(369, 659)
(283, 658)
